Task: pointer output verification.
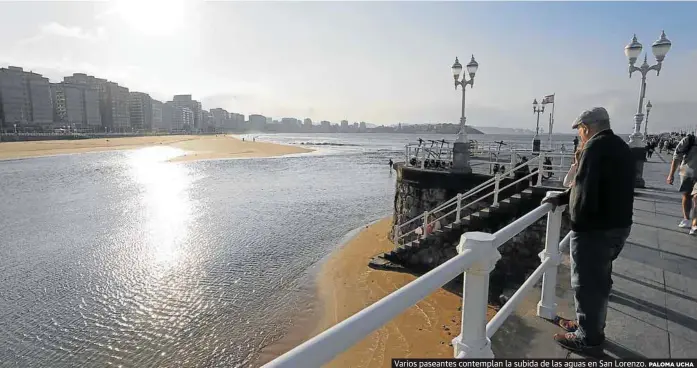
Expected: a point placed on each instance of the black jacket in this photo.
(602, 196)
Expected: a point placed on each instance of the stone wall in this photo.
(420, 190)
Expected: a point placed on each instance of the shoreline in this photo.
(345, 285)
(305, 322)
(194, 148)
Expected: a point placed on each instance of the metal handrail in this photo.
(477, 256)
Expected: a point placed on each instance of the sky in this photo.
(379, 62)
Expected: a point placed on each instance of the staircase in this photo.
(492, 191)
(486, 219)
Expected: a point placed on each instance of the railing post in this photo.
(425, 226)
(547, 306)
(497, 178)
(472, 343)
(459, 208)
(423, 158)
(541, 157)
(513, 160)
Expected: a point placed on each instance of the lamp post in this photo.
(646, 123)
(659, 48)
(537, 109)
(461, 146)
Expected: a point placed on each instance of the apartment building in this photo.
(114, 101)
(220, 119)
(25, 100)
(182, 118)
(76, 106)
(157, 123)
(115, 107)
(140, 111)
(194, 106)
(257, 122)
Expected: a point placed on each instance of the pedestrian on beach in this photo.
(600, 202)
(685, 156)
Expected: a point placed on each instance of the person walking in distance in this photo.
(685, 156)
(575, 144)
(601, 200)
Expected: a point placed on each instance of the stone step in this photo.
(486, 211)
(464, 221)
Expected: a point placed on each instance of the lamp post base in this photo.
(461, 157)
(639, 156)
(636, 140)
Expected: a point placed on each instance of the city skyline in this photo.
(385, 63)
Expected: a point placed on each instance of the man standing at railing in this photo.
(600, 206)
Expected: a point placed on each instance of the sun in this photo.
(152, 17)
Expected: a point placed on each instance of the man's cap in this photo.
(594, 115)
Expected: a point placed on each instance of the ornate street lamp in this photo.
(537, 109)
(461, 146)
(659, 48)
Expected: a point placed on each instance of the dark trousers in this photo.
(592, 254)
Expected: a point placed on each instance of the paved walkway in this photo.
(653, 306)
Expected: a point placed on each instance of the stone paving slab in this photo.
(652, 311)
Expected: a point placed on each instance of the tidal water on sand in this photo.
(124, 259)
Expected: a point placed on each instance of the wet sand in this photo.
(346, 285)
(197, 147)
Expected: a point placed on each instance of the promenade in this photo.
(653, 306)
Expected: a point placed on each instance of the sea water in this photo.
(124, 259)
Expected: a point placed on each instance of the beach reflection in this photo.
(166, 204)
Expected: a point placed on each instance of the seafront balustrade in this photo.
(477, 255)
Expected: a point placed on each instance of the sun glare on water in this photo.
(165, 203)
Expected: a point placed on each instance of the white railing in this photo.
(477, 256)
(431, 220)
(524, 147)
(561, 161)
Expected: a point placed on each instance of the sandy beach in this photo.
(346, 285)
(196, 147)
